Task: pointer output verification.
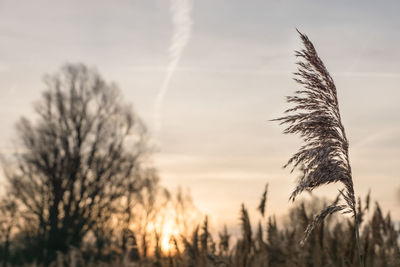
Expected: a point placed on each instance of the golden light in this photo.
(168, 232)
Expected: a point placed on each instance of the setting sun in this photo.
(169, 232)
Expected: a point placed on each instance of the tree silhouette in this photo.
(78, 158)
(8, 221)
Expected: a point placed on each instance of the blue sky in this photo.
(234, 72)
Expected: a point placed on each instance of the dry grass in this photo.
(315, 117)
(332, 243)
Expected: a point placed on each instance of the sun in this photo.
(169, 231)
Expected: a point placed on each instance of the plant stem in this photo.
(360, 256)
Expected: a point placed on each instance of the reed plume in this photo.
(315, 116)
(263, 201)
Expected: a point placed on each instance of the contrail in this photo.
(182, 26)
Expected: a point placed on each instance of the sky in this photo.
(235, 66)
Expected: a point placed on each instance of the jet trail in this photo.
(182, 27)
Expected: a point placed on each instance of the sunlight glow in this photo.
(169, 232)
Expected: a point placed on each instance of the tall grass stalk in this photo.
(324, 157)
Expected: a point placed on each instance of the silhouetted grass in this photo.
(267, 243)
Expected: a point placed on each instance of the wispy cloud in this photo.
(378, 138)
(182, 27)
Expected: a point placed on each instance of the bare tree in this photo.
(78, 157)
(139, 209)
(8, 222)
(150, 212)
(185, 213)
